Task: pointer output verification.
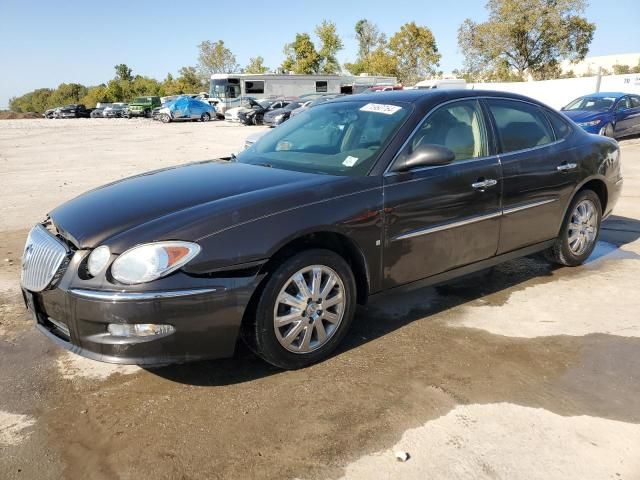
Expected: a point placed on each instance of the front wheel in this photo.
(607, 130)
(579, 232)
(165, 118)
(304, 310)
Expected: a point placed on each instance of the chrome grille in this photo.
(42, 258)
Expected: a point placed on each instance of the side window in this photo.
(560, 127)
(635, 101)
(256, 86)
(458, 126)
(520, 125)
(623, 104)
(321, 87)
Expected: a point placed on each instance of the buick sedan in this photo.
(355, 197)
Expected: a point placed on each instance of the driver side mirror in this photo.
(427, 155)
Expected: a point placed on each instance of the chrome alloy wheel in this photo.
(583, 227)
(309, 309)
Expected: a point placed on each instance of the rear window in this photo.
(520, 125)
(560, 125)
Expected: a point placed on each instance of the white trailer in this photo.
(227, 90)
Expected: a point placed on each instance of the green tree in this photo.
(621, 69)
(330, 45)
(215, 57)
(416, 52)
(301, 55)
(68, 93)
(188, 81)
(123, 72)
(256, 65)
(636, 69)
(370, 40)
(528, 37)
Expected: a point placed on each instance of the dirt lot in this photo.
(529, 371)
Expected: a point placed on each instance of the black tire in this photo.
(205, 117)
(259, 331)
(165, 118)
(607, 130)
(562, 252)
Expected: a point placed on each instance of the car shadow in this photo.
(393, 311)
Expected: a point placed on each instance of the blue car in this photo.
(185, 108)
(612, 114)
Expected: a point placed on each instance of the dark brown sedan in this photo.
(357, 196)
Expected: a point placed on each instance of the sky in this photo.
(45, 43)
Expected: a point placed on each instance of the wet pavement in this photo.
(525, 371)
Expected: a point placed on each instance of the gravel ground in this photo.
(530, 371)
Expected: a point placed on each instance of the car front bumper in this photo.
(206, 319)
(137, 113)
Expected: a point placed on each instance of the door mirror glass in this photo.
(425, 155)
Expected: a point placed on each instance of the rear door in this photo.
(442, 217)
(539, 172)
(626, 117)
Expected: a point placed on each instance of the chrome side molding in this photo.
(470, 220)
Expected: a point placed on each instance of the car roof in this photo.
(426, 97)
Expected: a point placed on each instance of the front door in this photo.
(439, 218)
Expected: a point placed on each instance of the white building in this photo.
(590, 65)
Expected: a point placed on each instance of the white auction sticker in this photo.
(380, 108)
(350, 161)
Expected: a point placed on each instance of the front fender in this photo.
(357, 216)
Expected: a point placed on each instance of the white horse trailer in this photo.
(227, 90)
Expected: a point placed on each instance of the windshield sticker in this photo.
(380, 108)
(350, 161)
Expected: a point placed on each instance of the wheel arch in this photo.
(338, 243)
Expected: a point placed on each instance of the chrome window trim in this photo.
(471, 220)
(387, 172)
(122, 296)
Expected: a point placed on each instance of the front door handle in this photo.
(483, 184)
(565, 167)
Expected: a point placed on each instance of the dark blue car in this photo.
(612, 114)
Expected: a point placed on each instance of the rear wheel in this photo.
(205, 117)
(579, 232)
(304, 310)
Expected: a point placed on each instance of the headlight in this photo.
(98, 259)
(279, 118)
(589, 124)
(151, 261)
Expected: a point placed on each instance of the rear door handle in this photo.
(482, 184)
(564, 167)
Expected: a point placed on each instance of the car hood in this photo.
(185, 202)
(275, 113)
(579, 116)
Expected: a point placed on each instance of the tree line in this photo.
(519, 40)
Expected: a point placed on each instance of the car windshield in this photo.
(595, 104)
(343, 138)
(265, 103)
(142, 100)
